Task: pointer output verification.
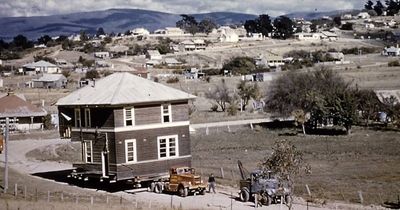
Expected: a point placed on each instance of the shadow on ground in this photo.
(62, 177)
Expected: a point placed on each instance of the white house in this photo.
(227, 34)
(50, 81)
(153, 55)
(347, 17)
(329, 35)
(171, 62)
(140, 32)
(40, 67)
(369, 26)
(308, 36)
(174, 31)
(102, 55)
(363, 15)
(187, 45)
(391, 51)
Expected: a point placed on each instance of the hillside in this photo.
(112, 20)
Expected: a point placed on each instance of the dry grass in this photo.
(366, 161)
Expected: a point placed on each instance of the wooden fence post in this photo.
(76, 199)
(91, 200)
(222, 173)
(16, 190)
(107, 199)
(361, 197)
(48, 196)
(207, 131)
(308, 190)
(229, 129)
(62, 195)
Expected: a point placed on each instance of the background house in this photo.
(50, 81)
(153, 55)
(102, 55)
(23, 115)
(40, 67)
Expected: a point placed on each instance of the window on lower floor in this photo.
(130, 151)
(168, 146)
(88, 151)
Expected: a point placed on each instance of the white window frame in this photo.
(134, 150)
(85, 151)
(88, 120)
(132, 116)
(168, 138)
(169, 114)
(77, 111)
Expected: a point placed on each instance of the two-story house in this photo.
(130, 128)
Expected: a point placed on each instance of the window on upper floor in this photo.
(167, 146)
(78, 123)
(88, 122)
(166, 113)
(129, 116)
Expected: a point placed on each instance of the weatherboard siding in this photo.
(146, 142)
(180, 112)
(147, 114)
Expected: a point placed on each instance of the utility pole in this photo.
(6, 134)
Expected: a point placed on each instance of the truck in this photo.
(262, 187)
(182, 180)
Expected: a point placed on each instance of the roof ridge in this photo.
(118, 88)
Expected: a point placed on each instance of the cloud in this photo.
(271, 7)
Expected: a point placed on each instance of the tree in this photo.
(22, 42)
(240, 65)
(300, 117)
(322, 94)
(393, 7)
(92, 74)
(337, 20)
(188, 23)
(379, 8)
(283, 27)
(262, 24)
(251, 26)
(369, 5)
(369, 104)
(347, 26)
(83, 36)
(247, 91)
(220, 95)
(285, 161)
(44, 39)
(100, 31)
(207, 25)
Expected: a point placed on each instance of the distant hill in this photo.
(112, 20)
(317, 15)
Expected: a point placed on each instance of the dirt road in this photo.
(226, 198)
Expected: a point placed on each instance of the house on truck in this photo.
(130, 128)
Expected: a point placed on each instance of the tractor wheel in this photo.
(158, 188)
(244, 194)
(183, 191)
(269, 200)
(203, 192)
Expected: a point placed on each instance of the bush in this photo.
(93, 74)
(214, 108)
(240, 65)
(66, 73)
(394, 63)
(232, 109)
(173, 80)
(156, 79)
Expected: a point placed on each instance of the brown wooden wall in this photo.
(180, 112)
(148, 114)
(146, 142)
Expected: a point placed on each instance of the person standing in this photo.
(211, 183)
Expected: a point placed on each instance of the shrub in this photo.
(394, 63)
(156, 79)
(173, 80)
(232, 109)
(214, 108)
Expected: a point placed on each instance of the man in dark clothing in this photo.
(211, 183)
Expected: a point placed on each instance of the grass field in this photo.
(367, 160)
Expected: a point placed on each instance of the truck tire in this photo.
(158, 188)
(288, 199)
(244, 194)
(203, 192)
(183, 191)
(152, 187)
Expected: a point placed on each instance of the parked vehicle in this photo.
(1, 144)
(182, 180)
(265, 186)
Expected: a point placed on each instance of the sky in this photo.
(272, 7)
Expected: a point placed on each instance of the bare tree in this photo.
(221, 95)
(247, 91)
(301, 118)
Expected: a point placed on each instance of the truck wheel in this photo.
(158, 188)
(152, 187)
(244, 194)
(183, 191)
(288, 199)
(203, 192)
(269, 200)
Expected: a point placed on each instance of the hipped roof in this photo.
(14, 106)
(121, 89)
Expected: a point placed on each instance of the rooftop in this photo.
(40, 63)
(123, 88)
(14, 106)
